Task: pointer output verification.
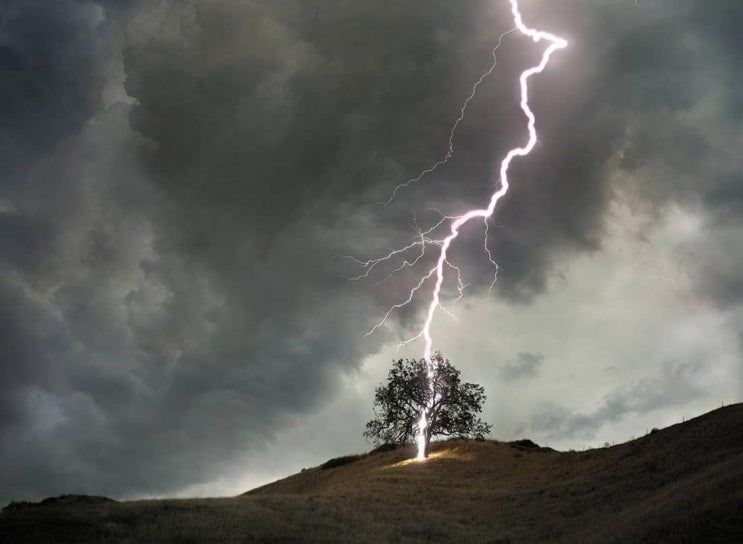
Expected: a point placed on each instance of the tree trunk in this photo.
(427, 445)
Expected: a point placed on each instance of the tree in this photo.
(450, 406)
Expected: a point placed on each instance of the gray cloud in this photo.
(675, 385)
(169, 296)
(526, 365)
(49, 60)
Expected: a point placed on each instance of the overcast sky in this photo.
(178, 181)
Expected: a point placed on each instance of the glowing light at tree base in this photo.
(420, 440)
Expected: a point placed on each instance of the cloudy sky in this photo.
(179, 181)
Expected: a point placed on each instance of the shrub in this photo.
(17, 505)
(525, 443)
(340, 461)
(386, 447)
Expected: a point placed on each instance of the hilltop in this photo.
(683, 483)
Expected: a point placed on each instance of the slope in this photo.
(680, 484)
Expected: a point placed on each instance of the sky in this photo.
(182, 181)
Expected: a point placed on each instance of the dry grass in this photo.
(681, 484)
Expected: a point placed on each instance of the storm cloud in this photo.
(180, 181)
(524, 366)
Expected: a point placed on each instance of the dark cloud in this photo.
(169, 294)
(50, 74)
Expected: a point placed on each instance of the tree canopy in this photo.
(451, 407)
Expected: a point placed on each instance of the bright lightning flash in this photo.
(425, 239)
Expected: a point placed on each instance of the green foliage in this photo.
(451, 409)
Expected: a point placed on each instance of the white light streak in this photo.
(426, 239)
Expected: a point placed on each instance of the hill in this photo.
(680, 484)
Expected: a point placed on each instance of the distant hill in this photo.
(680, 484)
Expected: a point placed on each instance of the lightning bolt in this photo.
(450, 149)
(426, 238)
(485, 213)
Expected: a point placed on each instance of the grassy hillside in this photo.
(680, 484)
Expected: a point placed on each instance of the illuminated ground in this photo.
(680, 484)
